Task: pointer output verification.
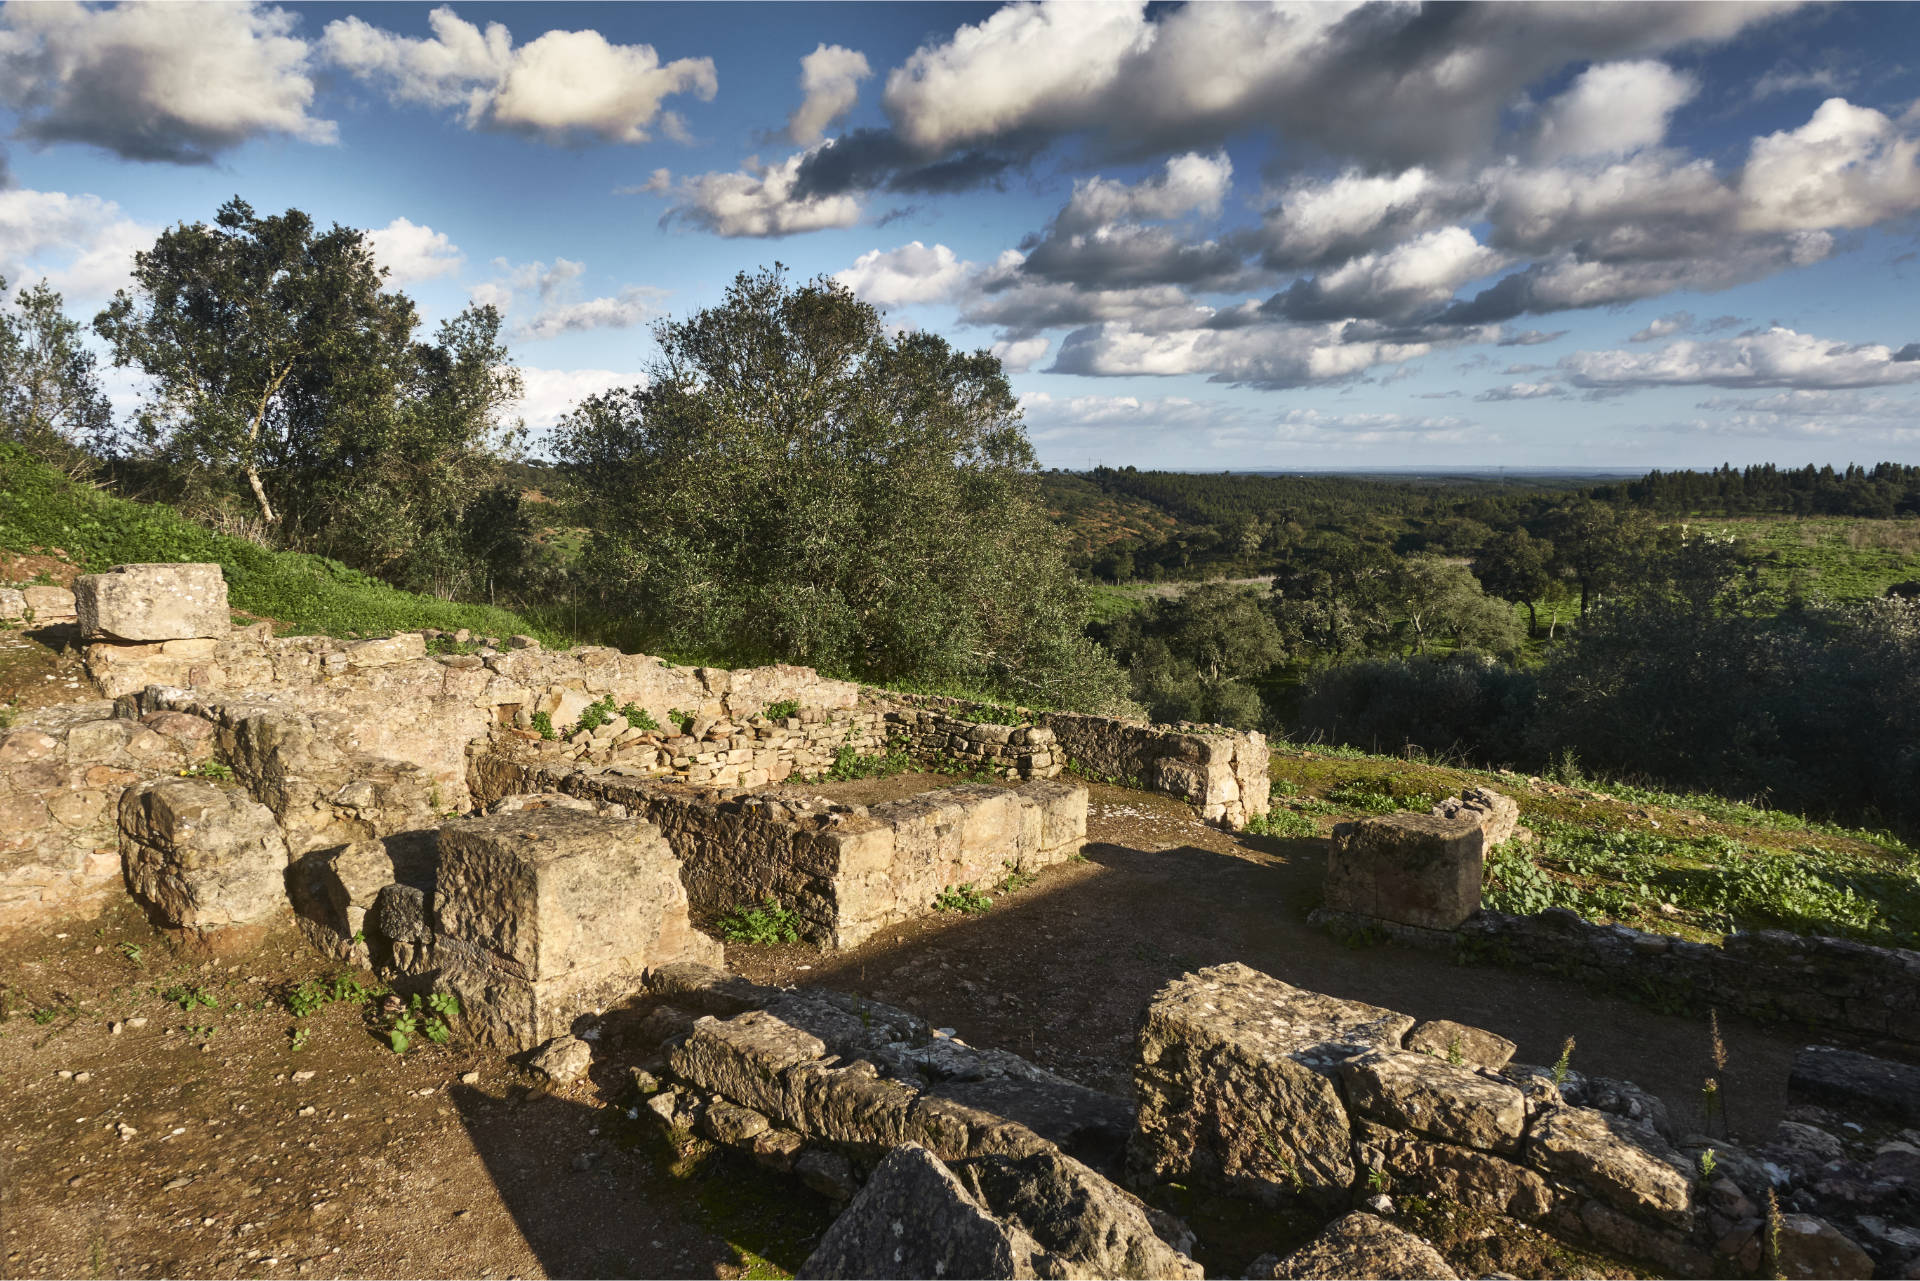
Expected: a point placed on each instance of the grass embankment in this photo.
(44, 514)
(1696, 866)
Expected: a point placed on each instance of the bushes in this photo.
(1461, 702)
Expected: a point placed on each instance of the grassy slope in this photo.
(1698, 866)
(42, 512)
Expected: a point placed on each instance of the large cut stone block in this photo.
(141, 603)
(1234, 1077)
(1435, 1098)
(547, 914)
(1621, 1162)
(1413, 869)
(1360, 1245)
(201, 856)
(914, 1219)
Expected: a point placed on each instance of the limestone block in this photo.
(1454, 1175)
(1090, 1227)
(1472, 1046)
(49, 604)
(1496, 813)
(547, 914)
(403, 648)
(1063, 816)
(914, 1219)
(202, 856)
(13, 605)
(1811, 1247)
(1233, 1079)
(1359, 1245)
(1625, 1165)
(1433, 1097)
(1414, 869)
(142, 603)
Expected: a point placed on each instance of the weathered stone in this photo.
(826, 1172)
(1810, 1247)
(1412, 869)
(143, 603)
(1359, 1245)
(1090, 1227)
(200, 856)
(13, 605)
(1625, 1099)
(553, 913)
(1459, 1043)
(915, 1219)
(707, 988)
(49, 604)
(563, 1060)
(733, 1125)
(1233, 1077)
(1435, 1098)
(1802, 1147)
(1454, 1175)
(1496, 813)
(1856, 1082)
(1624, 1164)
(777, 1149)
(1668, 1247)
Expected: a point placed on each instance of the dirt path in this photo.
(381, 1166)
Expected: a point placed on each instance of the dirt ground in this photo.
(204, 1142)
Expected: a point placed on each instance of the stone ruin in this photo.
(405, 807)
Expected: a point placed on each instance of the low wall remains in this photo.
(846, 871)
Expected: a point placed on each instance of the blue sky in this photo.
(1208, 237)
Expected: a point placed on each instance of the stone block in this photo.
(1623, 1164)
(1359, 1245)
(49, 604)
(1412, 869)
(1471, 1046)
(1234, 1081)
(1454, 1175)
(13, 605)
(914, 1219)
(1496, 813)
(143, 603)
(549, 914)
(1434, 1098)
(201, 856)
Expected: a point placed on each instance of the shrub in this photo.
(767, 923)
(1459, 702)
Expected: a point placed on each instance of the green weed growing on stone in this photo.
(543, 726)
(1283, 823)
(637, 717)
(1559, 1072)
(681, 721)
(594, 715)
(1708, 1164)
(767, 923)
(428, 1017)
(962, 898)
(781, 710)
(1015, 880)
(209, 769)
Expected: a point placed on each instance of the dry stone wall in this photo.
(846, 871)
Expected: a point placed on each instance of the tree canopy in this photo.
(794, 482)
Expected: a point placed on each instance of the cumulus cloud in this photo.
(1613, 109)
(1317, 427)
(80, 244)
(759, 200)
(1265, 356)
(1664, 327)
(1022, 354)
(1383, 85)
(1848, 166)
(1401, 282)
(1315, 222)
(411, 252)
(1190, 183)
(169, 82)
(830, 79)
(1522, 391)
(1100, 239)
(548, 395)
(913, 273)
(544, 300)
(624, 310)
(1776, 357)
(564, 87)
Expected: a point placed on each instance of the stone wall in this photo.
(847, 872)
(1253, 1088)
(1220, 771)
(1820, 983)
(62, 770)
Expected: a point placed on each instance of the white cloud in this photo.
(171, 82)
(548, 395)
(761, 200)
(1349, 430)
(1522, 391)
(1265, 356)
(1418, 275)
(81, 245)
(624, 310)
(563, 87)
(1664, 326)
(411, 252)
(544, 300)
(1317, 221)
(1777, 357)
(1021, 354)
(830, 79)
(1190, 183)
(912, 273)
(1612, 109)
(1847, 166)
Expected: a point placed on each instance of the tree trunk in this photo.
(260, 496)
(1533, 620)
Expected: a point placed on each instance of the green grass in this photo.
(306, 594)
(1834, 557)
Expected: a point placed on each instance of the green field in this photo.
(1833, 557)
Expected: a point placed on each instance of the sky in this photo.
(1205, 237)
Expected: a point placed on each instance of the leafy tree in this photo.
(1598, 546)
(794, 483)
(280, 361)
(50, 397)
(1195, 656)
(1336, 597)
(1440, 597)
(1515, 566)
